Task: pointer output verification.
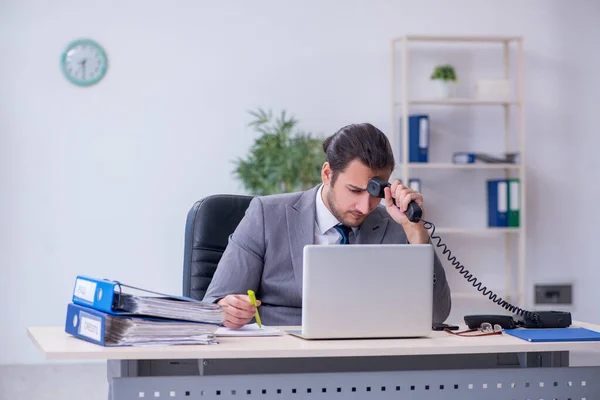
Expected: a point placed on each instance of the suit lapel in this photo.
(301, 229)
(373, 229)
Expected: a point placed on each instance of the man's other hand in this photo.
(238, 310)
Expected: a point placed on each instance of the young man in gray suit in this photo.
(265, 251)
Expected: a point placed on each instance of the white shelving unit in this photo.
(476, 231)
(400, 56)
(460, 102)
(461, 166)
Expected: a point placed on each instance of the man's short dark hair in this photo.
(361, 142)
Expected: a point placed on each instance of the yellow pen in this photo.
(253, 302)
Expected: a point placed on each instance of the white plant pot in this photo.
(444, 88)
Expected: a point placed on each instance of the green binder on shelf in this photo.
(514, 202)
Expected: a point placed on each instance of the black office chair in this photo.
(209, 223)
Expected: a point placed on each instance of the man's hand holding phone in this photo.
(238, 310)
(403, 195)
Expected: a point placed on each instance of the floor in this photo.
(54, 382)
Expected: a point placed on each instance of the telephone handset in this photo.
(376, 187)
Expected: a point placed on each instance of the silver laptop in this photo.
(367, 291)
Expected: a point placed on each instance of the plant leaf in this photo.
(281, 159)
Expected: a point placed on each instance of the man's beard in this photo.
(336, 213)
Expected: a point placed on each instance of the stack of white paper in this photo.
(249, 330)
(127, 331)
(172, 308)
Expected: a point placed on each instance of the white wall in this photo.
(98, 181)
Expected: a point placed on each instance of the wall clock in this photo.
(84, 62)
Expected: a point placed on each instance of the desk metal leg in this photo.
(491, 384)
(119, 369)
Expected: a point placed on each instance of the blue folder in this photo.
(95, 326)
(555, 334)
(418, 138)
(497, 197)
(116, 298)
(103, 294)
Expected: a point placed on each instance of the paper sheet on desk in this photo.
(248, 330)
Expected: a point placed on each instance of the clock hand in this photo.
(82, 62)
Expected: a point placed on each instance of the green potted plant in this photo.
(445, 75)
(282, 159)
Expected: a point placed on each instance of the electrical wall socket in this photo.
(554, 294)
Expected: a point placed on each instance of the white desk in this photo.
(287, 367)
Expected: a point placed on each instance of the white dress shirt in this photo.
(325, 233)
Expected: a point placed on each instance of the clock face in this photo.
(84, 62)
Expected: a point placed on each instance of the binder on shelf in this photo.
(497, 195)
(514, 202)
(107, 329)
(119, 299)
(415, 184)
(463, 158)
(418, 138)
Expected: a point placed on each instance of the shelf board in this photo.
(475, 231)
(457, 101)
(443, 38)
(460, 166)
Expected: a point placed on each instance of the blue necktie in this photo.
(343, 231)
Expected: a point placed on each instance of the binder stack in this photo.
(109, 313)
(504, 202)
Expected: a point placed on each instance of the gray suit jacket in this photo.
(265, 254)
